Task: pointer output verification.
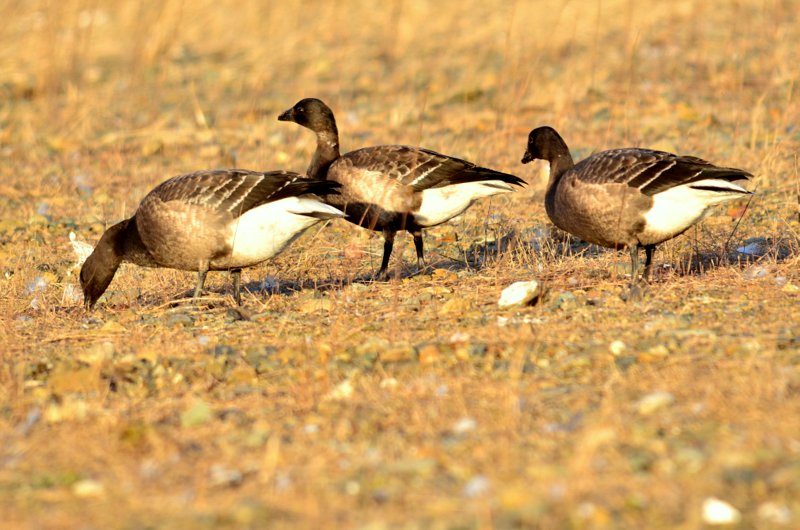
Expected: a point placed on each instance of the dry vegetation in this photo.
(331, 402)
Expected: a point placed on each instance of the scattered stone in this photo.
(775, 513)
(222, 476)
(37, 284)
(88, 488)
(617, 348)
(653, 402)
(199, 413)
(476, 486)
(755, 273)
(789, 287)
(81, 249)
(464, 426)
(233, 314)
(755, 246)
(179, 319)
(388, 383)
(72, 295)
(719, 512)
(341, 392)
(565, 301)
(519, 294)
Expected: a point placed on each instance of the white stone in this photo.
(88, 488)
(518, 294)
(617, 347)
(654, 401)
(719, 512)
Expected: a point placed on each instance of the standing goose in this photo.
(210, 220)
(390, 188)
(629, 197)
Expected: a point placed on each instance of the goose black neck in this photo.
(560, 163)
(327, 152)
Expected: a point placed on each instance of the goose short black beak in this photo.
(526, 157)
(287, 115)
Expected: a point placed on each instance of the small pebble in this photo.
(389, 382)
(719, 512)
(199, 413)
(477, 485)
(653, 402)
(617, 348)
(464, 425)
(179, 319)
(342, 391)
(221, 475)
(756, 273)
(774, 512)
(88, 488)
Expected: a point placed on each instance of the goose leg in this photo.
(634, 263)
(648, 262)
(237, 285)
(418, 245)
(636, 291)
(201, 281)
(388, 244)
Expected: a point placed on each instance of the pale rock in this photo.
(719, 512)
(519, 294)
(653, 402)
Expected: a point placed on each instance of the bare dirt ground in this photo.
(333, 402)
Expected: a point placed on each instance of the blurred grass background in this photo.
(416, 403)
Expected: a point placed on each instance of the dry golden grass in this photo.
(415, 403)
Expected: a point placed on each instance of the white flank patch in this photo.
(264, 232)
(442, 204)
(680, 207)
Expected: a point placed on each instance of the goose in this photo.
(631, 197)
(214, 220)
(389, 188)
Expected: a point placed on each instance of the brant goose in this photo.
(390, 188)
(629, 197)
(215, 220)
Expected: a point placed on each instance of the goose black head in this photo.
(311, 113)
(544, 143)
(99, 268)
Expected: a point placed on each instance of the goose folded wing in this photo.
(423, 169)
(236, 191)
(651, 171)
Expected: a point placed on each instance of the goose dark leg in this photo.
(634, 263)
(201, 281)
(648, 262)
(636, 291)
(388, 244)
(418, 245)
(237, 285)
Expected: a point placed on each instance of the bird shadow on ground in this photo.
(543, 246)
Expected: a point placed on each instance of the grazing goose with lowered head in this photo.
(210, 220)
(390, 188)
(630, 197)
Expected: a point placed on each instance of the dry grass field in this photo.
(330, 401)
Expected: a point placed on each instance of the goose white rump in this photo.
(442, 204)
(676, 209)
(265, 231)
